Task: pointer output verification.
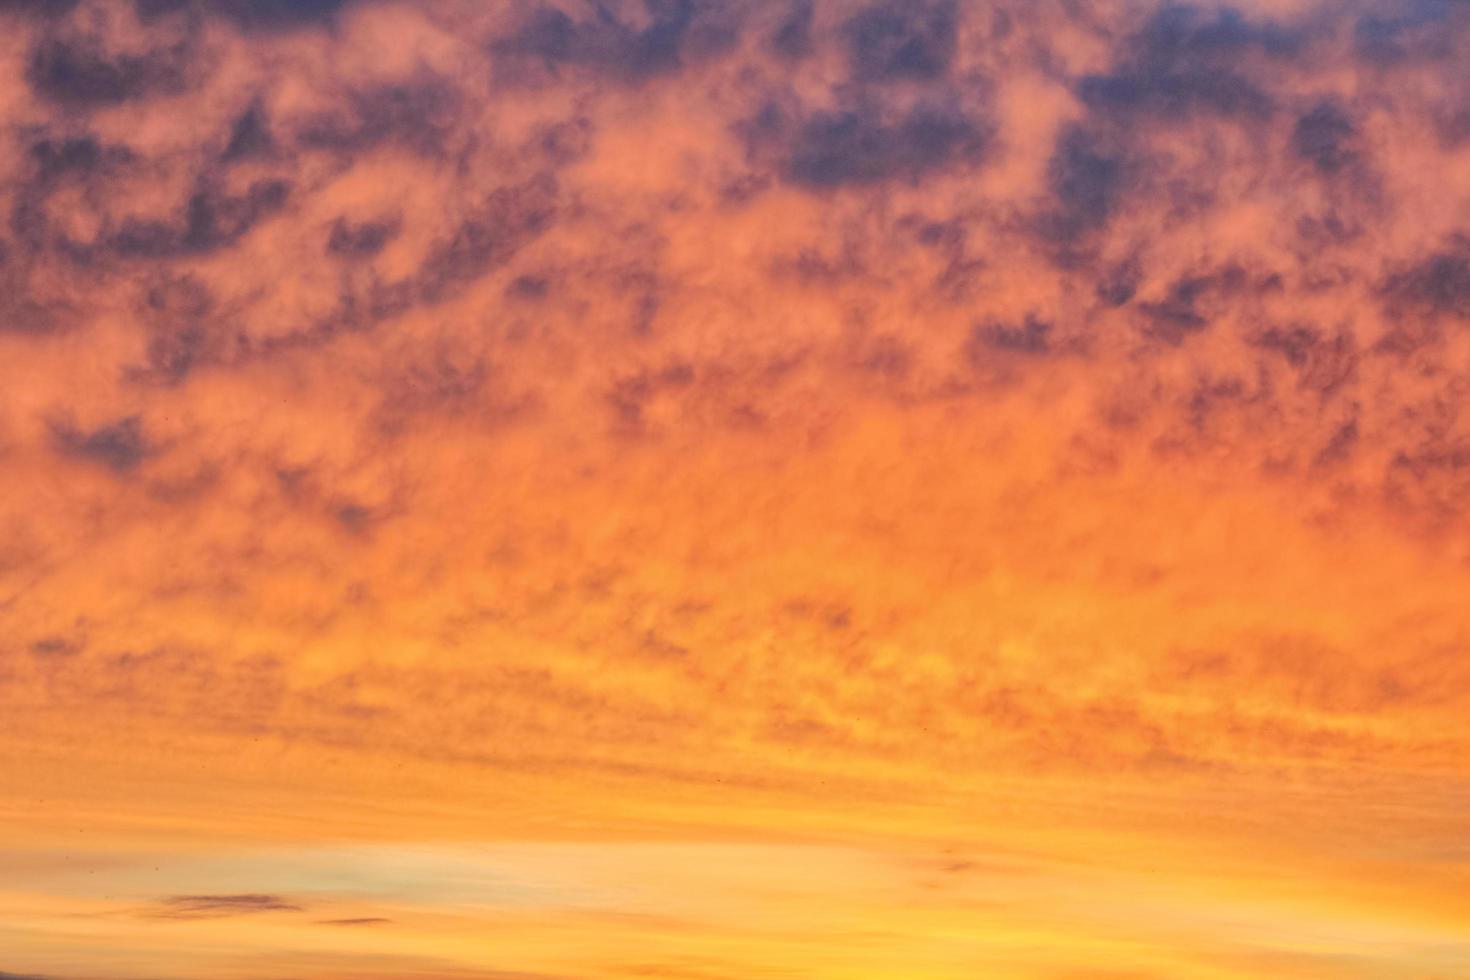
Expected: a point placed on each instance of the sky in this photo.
(714, 489)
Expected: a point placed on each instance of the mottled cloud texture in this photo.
(1021, 446)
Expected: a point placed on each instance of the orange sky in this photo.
(758, 489)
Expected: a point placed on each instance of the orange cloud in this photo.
(849, 489)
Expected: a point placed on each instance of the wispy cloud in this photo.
(219, 906)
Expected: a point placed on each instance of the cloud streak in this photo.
(220, 906)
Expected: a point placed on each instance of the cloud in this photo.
(42, 7)
(220, 906)
(211, 220)
(79, 70)
(1324, 137)
(1087, 175)
(1031, 336)
(890, 40)
(417, 113)
(261, 15)
(1178, 311)
(867, 144)
(250, 135)
(792, 36)
(486, 238)
(120, 446)
(673, 33)
(82, 155)
(57, 646)
(1436, 284)
(1183, 62)
(813, 404)
(360, 240)
(1416, 30)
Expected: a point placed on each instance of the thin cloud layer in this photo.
(220, 906)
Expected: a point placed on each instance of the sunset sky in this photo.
(734, 489)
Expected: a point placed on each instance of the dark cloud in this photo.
(149, 9)
(360, 241)
(28, 222)
(1437, 284)
(1453, 119)
(676, 31)
(1411, 30)
(487, 238)
(1323, 362)
(1178, 309)
(1325, 137)
(1182, 309)
(178, 314)
(250, 135)
(120, 446)
(56, 158)
(528, 287)
(1087, 176)
(792, 37)
(220, 906)
(1184, 63)
(548, 33)
(358, 308)
(212, 220)
(418, 113)
(368, 921)
(278, 13)
(868, 144)
(22, 312)
(265, 15)
(1341, 444)
(80, 71)
(1032, 336)
(1119, 285)
(440, 378)
(57, 646)
(43, 7)
(897, 39)
(566, 141)
(355, 518)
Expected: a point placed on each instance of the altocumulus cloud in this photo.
(730, 395)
